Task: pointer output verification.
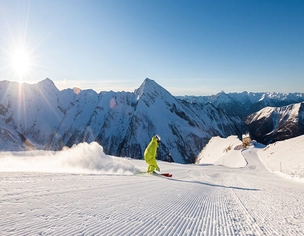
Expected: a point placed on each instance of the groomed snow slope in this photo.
(98, 199)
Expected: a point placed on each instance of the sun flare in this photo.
(21, 62)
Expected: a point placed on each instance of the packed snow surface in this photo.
(223, 151)
(82, 191)
(285, 157)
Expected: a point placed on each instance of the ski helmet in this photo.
(157, 137)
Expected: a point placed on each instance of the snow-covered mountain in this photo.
(277, 123)
(40, 116)
(246, 103)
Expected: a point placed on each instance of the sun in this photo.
(21, 62)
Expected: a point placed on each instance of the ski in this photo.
(155, 173)
(164, 174)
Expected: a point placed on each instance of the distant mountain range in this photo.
(246, 103)
(39, 116)
(270, 117)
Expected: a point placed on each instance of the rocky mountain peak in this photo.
(151, 89)
(47, 84)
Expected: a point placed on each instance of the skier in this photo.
(150, 154)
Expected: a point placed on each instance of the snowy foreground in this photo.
(82, 191)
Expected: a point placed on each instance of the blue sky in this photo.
(190, 47)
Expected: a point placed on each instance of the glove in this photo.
(157, 168)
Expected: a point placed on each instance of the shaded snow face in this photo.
(81, 158)
(273, 124)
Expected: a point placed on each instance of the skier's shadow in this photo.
(215, 185)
